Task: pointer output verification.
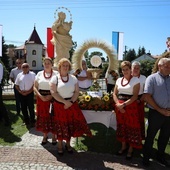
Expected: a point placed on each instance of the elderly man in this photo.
(24, 84)
(157, 96)
(13, 74)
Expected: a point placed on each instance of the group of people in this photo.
(58, 112)
(130, 93)
(56, 109)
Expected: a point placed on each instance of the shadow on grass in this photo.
(11, 134)
(102, 141)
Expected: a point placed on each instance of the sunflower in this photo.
(87, 98)
(106, 98)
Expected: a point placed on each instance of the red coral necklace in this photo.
(64, 81)
(126, 83)
(49, 76)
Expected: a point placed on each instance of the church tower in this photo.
(34, 51)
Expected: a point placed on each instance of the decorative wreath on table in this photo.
(108, 49)
(87, 102)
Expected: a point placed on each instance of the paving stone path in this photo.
(29, 154)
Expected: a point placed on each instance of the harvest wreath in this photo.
(97, 103)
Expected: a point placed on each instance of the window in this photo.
(33, 63)
(33, 52)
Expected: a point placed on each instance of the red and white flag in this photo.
(50, 46)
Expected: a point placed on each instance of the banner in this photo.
(0, 40)
(117, 42)
(50, 46)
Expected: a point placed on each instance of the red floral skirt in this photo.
(69, 122)
(44, 121)
(128, 125)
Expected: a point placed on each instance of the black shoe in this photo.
(129, 155)
(146, 162)
(162, 161)
(54, 142)
(60, 152)
(68, 149)
(121, 152)
(44, 141)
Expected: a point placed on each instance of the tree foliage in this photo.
(141, 51)
(146, 67)
(130, 55)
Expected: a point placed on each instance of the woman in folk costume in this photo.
(67, 114)
(125, 96)
(45, 121)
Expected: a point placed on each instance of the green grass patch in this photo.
(10, 135)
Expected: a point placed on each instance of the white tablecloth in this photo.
(107, 118)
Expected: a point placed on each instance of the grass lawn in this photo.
(10, 135)
(103, 140)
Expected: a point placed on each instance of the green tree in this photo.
(72, 49)
(141, 51)
(130, 55)
(146, 67)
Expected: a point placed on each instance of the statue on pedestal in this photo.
(62, 40)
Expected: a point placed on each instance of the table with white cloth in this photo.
(107, 118)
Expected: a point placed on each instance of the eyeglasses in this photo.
(18, 63)
(25, 67)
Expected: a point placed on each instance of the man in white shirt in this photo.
(13, 75)
(3, 112)
(24, 84)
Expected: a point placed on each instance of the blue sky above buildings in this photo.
(144, 23)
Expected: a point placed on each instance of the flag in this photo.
(0, 40)
(50, 46)
(117, 42)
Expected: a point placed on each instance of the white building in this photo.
(32, 51)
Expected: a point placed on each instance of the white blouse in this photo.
(128, 89)
(65, 89)
(43, 83)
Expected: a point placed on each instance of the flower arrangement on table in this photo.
(97, 103)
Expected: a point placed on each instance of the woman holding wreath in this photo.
(67, 114)
(126, 107)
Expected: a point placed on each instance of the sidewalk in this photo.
(29, 154)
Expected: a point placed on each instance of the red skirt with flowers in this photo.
(69, 122)
(128, 125)
(44, 121)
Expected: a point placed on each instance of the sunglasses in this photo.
(25, 67)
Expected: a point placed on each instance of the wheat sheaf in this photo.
(94, 43)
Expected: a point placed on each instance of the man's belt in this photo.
(84, 88)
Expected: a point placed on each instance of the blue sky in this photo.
(143, 22)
